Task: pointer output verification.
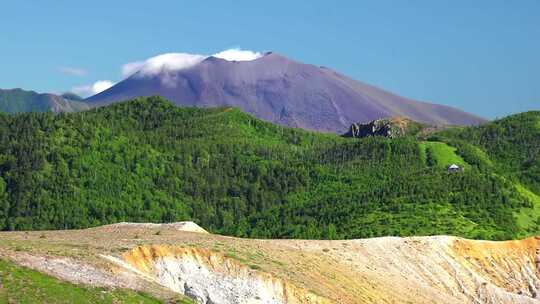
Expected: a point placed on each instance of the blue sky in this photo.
(481, 56)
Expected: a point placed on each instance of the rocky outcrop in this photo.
(387, 127)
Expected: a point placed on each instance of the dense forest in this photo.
(146, 160)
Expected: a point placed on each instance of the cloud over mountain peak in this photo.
(170, 62)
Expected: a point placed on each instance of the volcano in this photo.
(280, 90)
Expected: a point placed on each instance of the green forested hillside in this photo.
(147, 160)
(510, 148)
(512, 143)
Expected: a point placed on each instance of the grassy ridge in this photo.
(509, 147)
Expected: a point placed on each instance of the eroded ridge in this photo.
(210, 277)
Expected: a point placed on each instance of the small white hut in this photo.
(454, 168)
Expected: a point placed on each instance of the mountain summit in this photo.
(280, 90)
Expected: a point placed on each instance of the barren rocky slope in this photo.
(210, 268)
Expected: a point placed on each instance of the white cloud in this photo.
(131, 68)
(171, 62)
(92, 89)
(72, 71)
(238, 55)
(168, 62)
(162, 63)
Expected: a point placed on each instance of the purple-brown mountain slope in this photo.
(283, 91)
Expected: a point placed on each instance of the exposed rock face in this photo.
(502, 272)
(387, 127)
(438, 269)
(211, 278)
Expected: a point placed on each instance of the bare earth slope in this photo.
(216, 269)
(283, 91)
